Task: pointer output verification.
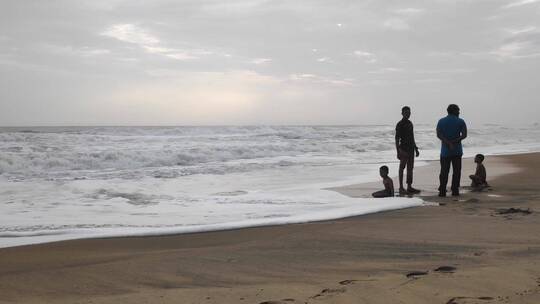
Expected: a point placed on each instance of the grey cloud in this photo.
(519, 3)
(110, 62)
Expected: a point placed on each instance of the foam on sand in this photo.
(81, 182)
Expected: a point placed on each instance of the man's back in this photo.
(451, 127)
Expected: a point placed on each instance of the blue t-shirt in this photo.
(451, 127)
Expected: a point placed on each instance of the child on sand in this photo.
(387, 182)
(478, 179)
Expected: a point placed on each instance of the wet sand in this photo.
(489, 253)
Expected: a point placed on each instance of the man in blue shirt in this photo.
(451, 130)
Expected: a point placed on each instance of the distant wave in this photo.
(78, 152)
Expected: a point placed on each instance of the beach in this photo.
(468, 250)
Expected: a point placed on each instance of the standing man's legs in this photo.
(443, 176)
(403, 162)
(410, 167)
(456, 174)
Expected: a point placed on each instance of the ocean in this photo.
(60, 183)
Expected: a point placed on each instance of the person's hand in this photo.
(398, 155)
(417, 153)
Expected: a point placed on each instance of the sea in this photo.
(61, 183)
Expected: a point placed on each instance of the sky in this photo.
(237, 62)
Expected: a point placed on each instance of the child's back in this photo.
(481, 173)
(388, 185)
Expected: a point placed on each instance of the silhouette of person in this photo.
(451, 130)
(387, 182)
(406, 150)
(478, 179)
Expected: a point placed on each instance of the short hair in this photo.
(453, 108)
(405, 108)
(480, 156)
(384, 168)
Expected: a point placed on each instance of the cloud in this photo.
(525, 30)
(519, 3)
(386, 70)
(396, 24)
(312, 78)
(402, 16)
(446, 71)
(261, 61)
(519, 43)
(516, 50)
(131, 33)
(180, 56)
(366, 56)
(430, 80)
(324, 59)
(74, 51)
(410, 11)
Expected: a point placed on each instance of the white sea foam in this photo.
(68, 183)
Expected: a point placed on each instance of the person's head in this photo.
(383, 171)
(406, 112)
(453, 109)
(479, 158)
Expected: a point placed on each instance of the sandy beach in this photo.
(474, 249)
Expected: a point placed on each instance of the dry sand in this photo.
(492, 257)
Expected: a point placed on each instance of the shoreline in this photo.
(423, 177)
(363, 259)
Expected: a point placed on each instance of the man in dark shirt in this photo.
(451, 130)
(406, 150)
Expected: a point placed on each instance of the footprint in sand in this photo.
(446, 269)
(329, 292)
(514, 211)
(456, 300)
(347, 282)
(416, 274)
(284, 301)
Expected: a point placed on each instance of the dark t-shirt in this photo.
(405, 135)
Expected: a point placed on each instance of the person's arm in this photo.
(398, 135)
(463, 133)
(444, 139)
(414, 144)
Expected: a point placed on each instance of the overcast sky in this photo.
(199, 62)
